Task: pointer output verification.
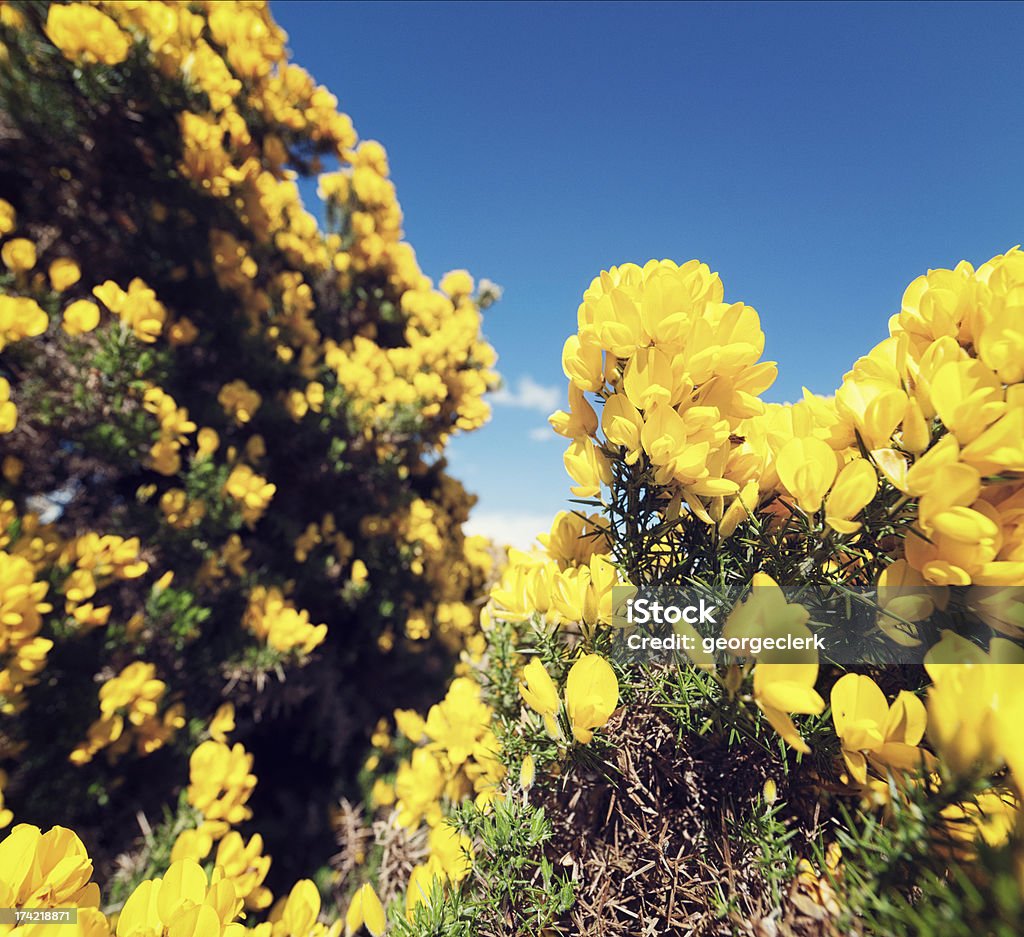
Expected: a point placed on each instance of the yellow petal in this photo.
(857, 699)
(185, 881)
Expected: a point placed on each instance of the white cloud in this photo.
(511, 528)
(543, 434)
(529, 395)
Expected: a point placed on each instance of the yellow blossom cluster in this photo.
(276, 622)
(251, 490)
(49, 870)
(239, 401)
(324, 533)
(975, 709)
(137, 308)
(936, 411)
(22, 650)
(130, 713)
(175, 427)
(456, 756)
(86, 34)
(20, 317)
(220, 784)
(98, 561)
(179, 510)
(591, 695)
(8, 411)
(53, 870)
(571, 581)
(677, 370)
(438, 369)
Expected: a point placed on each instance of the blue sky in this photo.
(818, 156)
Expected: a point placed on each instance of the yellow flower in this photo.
(588, 467)
(301, 908)
(591, 695)
(86, 34)
(767, 614)
(8, 217)
(807, 467)
(20, 317)
(904, 597)
(780, 689)
(221, 781)
(456, 284)
(192, 844)
(223, 722)
(649, 380)
(365, 909)
(45, 870)
(622, 425)
(411, 724)
(581, 420)
(419, 783)
(453, 851)
(80, 317)
(182, 902)
(541, 695)
(138, 308)
(872, 730)
(275, 620)
(975, 709)
(424, 883)
(382, 793)
(853, 490)
(182, 332)
(967, 397)
(459, 721)
(582, 364)
(63, 272)
(239, 400)
(8, 410)
(244, 865)
(19, 255)
(875, 407)
(253, 491)
(6, 815)
(207, 442)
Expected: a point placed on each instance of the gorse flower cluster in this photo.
(222, 428)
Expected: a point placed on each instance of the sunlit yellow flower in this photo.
(591, 695)
(541, 694)
(872, 730)
(8, 410)
(86, 34)
(63, 272)
(19, 255)
(8, 217)
(807, 467)
(588, 467)
(366, 910)
(781, 689)
(80, 317)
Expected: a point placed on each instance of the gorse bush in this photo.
(224, 491)
(872, 786)
(233, 564)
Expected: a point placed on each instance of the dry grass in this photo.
(652, 842)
